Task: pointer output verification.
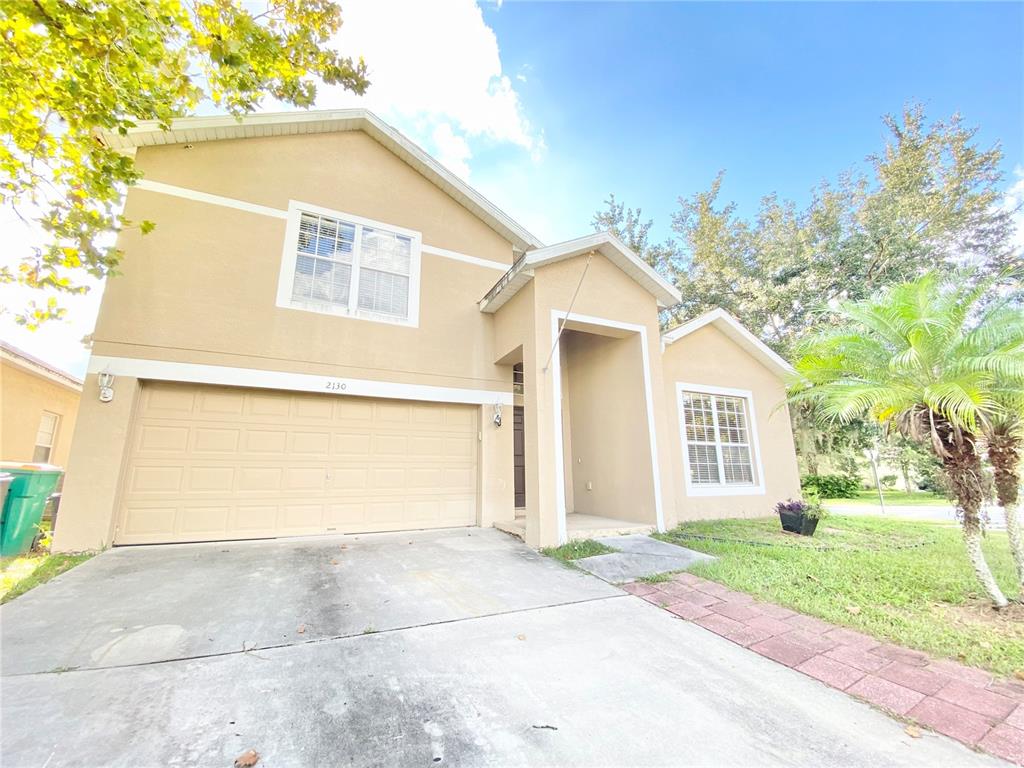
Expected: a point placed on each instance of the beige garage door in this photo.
(209, 463)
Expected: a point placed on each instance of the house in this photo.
(328, 332)
(38, 406)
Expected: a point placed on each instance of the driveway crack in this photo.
(310, 641)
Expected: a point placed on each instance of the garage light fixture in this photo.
(106, 382)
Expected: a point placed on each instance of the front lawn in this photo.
(896, 498)
(20, 574)
(906, 582)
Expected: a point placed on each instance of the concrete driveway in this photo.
(459, 647)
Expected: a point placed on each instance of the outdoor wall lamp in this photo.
(497, 414)
(106, 382)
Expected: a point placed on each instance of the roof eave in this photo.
(736, 331)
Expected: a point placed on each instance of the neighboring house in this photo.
(38, 406)
(326, 327)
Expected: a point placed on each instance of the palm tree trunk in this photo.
(972, 541)
(1004, 455)
(962, 466)
(1016, 540)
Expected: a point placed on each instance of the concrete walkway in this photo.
(637, 556)
(460, 648)
(962, 702)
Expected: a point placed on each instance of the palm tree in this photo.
(929, 359)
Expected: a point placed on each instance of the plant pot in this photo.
(798, 523)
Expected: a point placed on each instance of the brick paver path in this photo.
(965, 703)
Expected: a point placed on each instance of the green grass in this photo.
(658, 578)
(576, 550)
(898, 498)
(905, 582)
(20, 574)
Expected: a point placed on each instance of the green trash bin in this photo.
(24, 505)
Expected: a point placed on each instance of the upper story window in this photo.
(720, 453)
(340, 264)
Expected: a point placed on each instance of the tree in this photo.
(72, 69)
(907, 456)
(629, 226)
(932, 360)
(931, 201)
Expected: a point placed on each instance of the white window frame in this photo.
(722, 488)
(289, 257)
(53, 436)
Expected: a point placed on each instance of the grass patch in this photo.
(905, 582)
(896, 498)
(20, 574)
(576, 550)
(658, 578)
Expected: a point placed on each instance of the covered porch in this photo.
(586, 417)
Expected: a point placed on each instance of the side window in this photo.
(718, 440)
(46, 437)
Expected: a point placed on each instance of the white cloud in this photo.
(435, 71)
(452, 150)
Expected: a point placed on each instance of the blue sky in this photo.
(547, 108)
(650, 100)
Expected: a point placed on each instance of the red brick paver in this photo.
(961, 702)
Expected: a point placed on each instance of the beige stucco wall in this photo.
(202, 288)
(93, 480)
(711, 358)
(609, 462)
(526, 320)
(23, 398)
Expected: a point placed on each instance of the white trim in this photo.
(205, 197)
(456, 256)
(556, 372)
(289, 255)
(189, 130)
(277, 213)
(196, 373)
(758, 489)
(735, 330)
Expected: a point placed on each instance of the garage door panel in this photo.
(147, 480)
(216, 440)
(219, 463)
(205, 522)
(312, 443)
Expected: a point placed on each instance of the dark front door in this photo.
(519, 456)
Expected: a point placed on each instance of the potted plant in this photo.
(801, 516)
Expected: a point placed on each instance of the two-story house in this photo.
(328, 332)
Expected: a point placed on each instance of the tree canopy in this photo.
(931, 200)
(73, 69)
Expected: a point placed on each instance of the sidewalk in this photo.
(965, 703)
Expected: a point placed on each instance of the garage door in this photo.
(211, 463)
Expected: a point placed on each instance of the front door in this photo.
(519, 456)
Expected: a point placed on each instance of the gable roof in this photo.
(190, 130)
(736, 331)
(32, 364)
(604, 243)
